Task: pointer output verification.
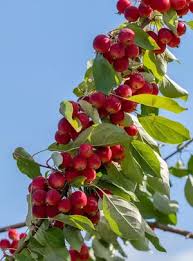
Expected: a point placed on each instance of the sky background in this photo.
(44, 46)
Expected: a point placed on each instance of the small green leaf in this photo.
(73, 237)
(157, 65)
(158, 102)
(189, 190)
(141, 244)
(80, 222)
(190, 165)
(165, 130)
(57, 158)
(164, 205)
(78, 182)
(123, 218)
(147, 111)
(190, 24)
(171, 89)
(171, 20)
(66, 109)
(180, 173)
(90, 111)
(24, 255)
(105, 76)
(170, 57)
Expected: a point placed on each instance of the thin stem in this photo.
(18, 225)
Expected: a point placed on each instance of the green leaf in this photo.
(169, 56)
(147, 158)
(102, 251)
(141, 244)
(60, 147)
(164, 205)
(165, 130)
(123, 218)
(190, 24)
(142, 39)
(131, 167)
(105, 76)
(73, 237)
(147, 111)
(171, 89)
(156, 65)
(158, 102)
(23, 256)
(190, 165)
(171, 20)
(189, 190)
(180, 173)
(57, 158)
(66, 109)
(29, 217)
(80, 222)
(101, 135)
(90, 111)
(21, 153)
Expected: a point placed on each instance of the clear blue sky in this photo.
(44, 46)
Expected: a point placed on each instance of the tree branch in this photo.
(170, 229)
(179, 149)
(18, 225)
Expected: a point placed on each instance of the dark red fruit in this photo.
(39, 197)
(124, 91)
(128, 106)
(145, 10)
(183, 11)
(78, 199)
(117, 152)
(56, 180)
(117, 50)
(105, 154)
(126, 36)
(79, 163)
(84, 253)
(103, 113)
(76, 108)
(13, 234)
(165, 35)
(77, 211)
(117, 118)
(39, 211)
(155, 89)
(74, 255)
(121, 65)
(84, 120)
(4, 244)
(90, 175)
(64, 206)
(191, 6)
(181, 28)
(102, 43)
(97, 99)
(178, 4)
(38, 183)
(64, 126)
(175, 42)
(162, 48)
(53, 197)
(22, 235)
(131, 13)
(62, 138)
(86, 150)
(160, 5)
(136, 81)
(132, 130)
(122, 5)
(94, 162)
(132, 51)
(67, 160)
(113, 104)
(95, 219)
(71, 175)
(14, 246)
(58, 224)
(52, 211)
(92, 206)
(147, 89)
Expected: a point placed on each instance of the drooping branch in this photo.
(18, 225)
(179, 149)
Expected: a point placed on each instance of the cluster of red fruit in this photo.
(12, 243)
(121, 47)
(82, 255)
(146, 7)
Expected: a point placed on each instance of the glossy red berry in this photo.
(84, 253)
(155, 89)
(136, 81)
(90, 175)
(132, 130)
(56, 180)
(97, 99)
(22, 235)
(178, 4)
(129, 106)
(117, 118)
(84, 120)
(118, 152)
(39, 211)
(4, 244)
(117, 50)
(39, 197)
(124, 91)
(67, 160)
(94, 162)
(71, 175)
(165, 35)
(102, 43)
(145, 10)
(175, 42)
(62, 138)
(121, 65)
(183, 11)
(52, 211)
(105, 154)
(126, 36)
(132, 51)
(76, 108)
(38, 183)
(14, 246)
(181, 28)
(122, 5)
(79, 163)
(96, 218)
(113, 104)
(13, 234)
(64, 126)
(160, 5)
(146, 89)
(132, 13)
(64, 205)
(78, 199)
(53, 197)
(86, 150)
(191, 6)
